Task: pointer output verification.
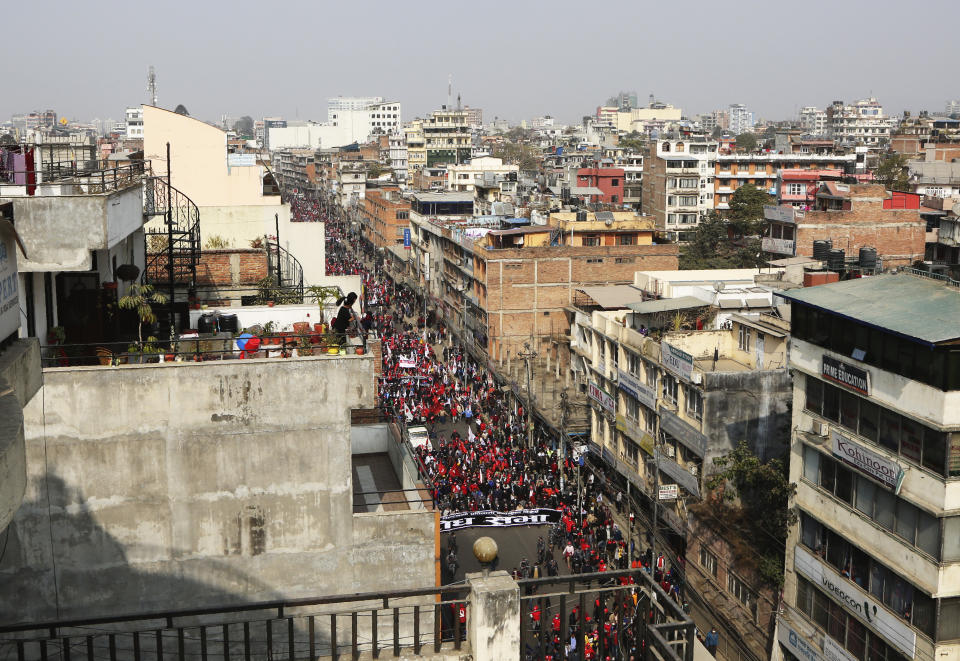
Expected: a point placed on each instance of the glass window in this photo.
(828, 475)
(831, 403)
(889, 433)
(866, 494)
(856, 638)
(934, 450)
(814, 394)
(849, 410)
(911, 440)
(949, 619)
(928, 533)
(869, 414)
(811, 464)
(844, 490)
(821, 608)
(885, 511)
(906, 521)
(951, 538)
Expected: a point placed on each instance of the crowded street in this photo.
(480, 458)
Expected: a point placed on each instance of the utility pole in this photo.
(527, 354)
(170, 277)
(656, 505)
(276, 219)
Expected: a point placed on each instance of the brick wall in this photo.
(223, 268)
(899, 235)
(528, 290)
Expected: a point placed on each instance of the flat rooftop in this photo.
(375, 484)
(913, 306)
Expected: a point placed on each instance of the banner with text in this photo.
(676, 360)
(491, 519)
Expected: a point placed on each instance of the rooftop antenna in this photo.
(458, 102)
(152, 86)
(449, 90)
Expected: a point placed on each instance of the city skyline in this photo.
(216, 72)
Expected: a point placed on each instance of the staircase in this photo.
(175, 243)
(282, 263)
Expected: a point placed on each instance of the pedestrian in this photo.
(711, 641)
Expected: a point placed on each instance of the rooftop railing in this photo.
(71, 178)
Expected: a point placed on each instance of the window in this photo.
(744, 594)
(694, 401)
(912, 441)
(796, 189)
(613, 199)
(916, 527)
(910, 603)
(744, 340)
(634, 364)
(595, 260)
(633, 408)
(708, 561)
(591, 240)
(614, 183)
(626, 239)
(669, 388)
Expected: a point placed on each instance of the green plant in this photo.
(142, 297)
(257, 243)
(56, 335)
(269, 327)
(268, 290)
(150, 346)
(216, 242)
(323, 296)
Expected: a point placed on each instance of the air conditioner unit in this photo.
(670, 451)
(696, 377)
(821, 429)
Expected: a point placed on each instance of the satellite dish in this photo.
(718, 286)
(608, 222)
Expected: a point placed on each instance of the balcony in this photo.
(68, 214)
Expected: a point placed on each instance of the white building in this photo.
(953, 107)
(741, 119)
(813, 120)
(398, 156)
(873, 562)
(861, 123)
(348, 121)
(340, 104)
(678, 183)
(134, 128)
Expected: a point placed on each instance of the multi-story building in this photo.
(504, 283)
(36, 120)
(860, 123)
(813, 121)
(741, 119)
(295, 168)
(952, 107)
(488, 178)
(398, 156)
(678, 176)
(447, 137)
(416, 147)
(474, 117)
(852, 216)
(872, 562)
(271, 123)
(385, 214)
(608, 181)
(351, 183)
(134, 129)
(358, 119)
(762, 170)
(340, 104)
(664, 404)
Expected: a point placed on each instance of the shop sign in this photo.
(9, 286)
(677, 361)
(797, 644)
(846, 375)
(860, 603)
(641, 392)
(602, 398)
(668, 492)
(867, 461)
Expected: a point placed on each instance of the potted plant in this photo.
(142, 297)
(304, 348)
(332, 341)
(145, 352)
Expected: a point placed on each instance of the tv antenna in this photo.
(152, 86)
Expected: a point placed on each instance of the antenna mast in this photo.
(152, 86)
(449, 91)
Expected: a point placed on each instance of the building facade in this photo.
(860, 123)
(678, 176)
(741, 119)
(872, 563)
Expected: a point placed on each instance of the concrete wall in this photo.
(19, 381)
(160, 486)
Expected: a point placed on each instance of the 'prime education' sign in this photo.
(846, 375)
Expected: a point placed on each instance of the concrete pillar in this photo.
(493, 616)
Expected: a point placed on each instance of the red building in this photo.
(608, 180)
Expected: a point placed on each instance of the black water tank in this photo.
(836, 259)
(821, 249)
(228, 323)
(868, 258)
(207, 323)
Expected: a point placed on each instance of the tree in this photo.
(746, 142)
(754, 499)
(746, 210)
(244, 126)
(712, 248)
(140, 298)
(716, 133)
(633, 141)
(892, 172)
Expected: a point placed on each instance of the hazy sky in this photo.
(515, 59)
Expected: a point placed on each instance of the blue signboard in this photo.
(406, 238)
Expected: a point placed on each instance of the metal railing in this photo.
(654, 622)
(332, 626)
(178, 239)
(73, 178)
(282, 265)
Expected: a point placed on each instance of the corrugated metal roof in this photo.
(614, 297)
(668, 305)
(911, 306)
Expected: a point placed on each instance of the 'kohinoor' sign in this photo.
(846, 375)
(491, 519)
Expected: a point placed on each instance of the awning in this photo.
(614, 297)
(399, 251)
(668, 305)
(792, 261)
(730, 303)
(754, 302)
(759, 325)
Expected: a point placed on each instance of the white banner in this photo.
(602, 397)
(859, 602)
(867, 461)
(676, 360)
(406, 363)
(9, 284)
